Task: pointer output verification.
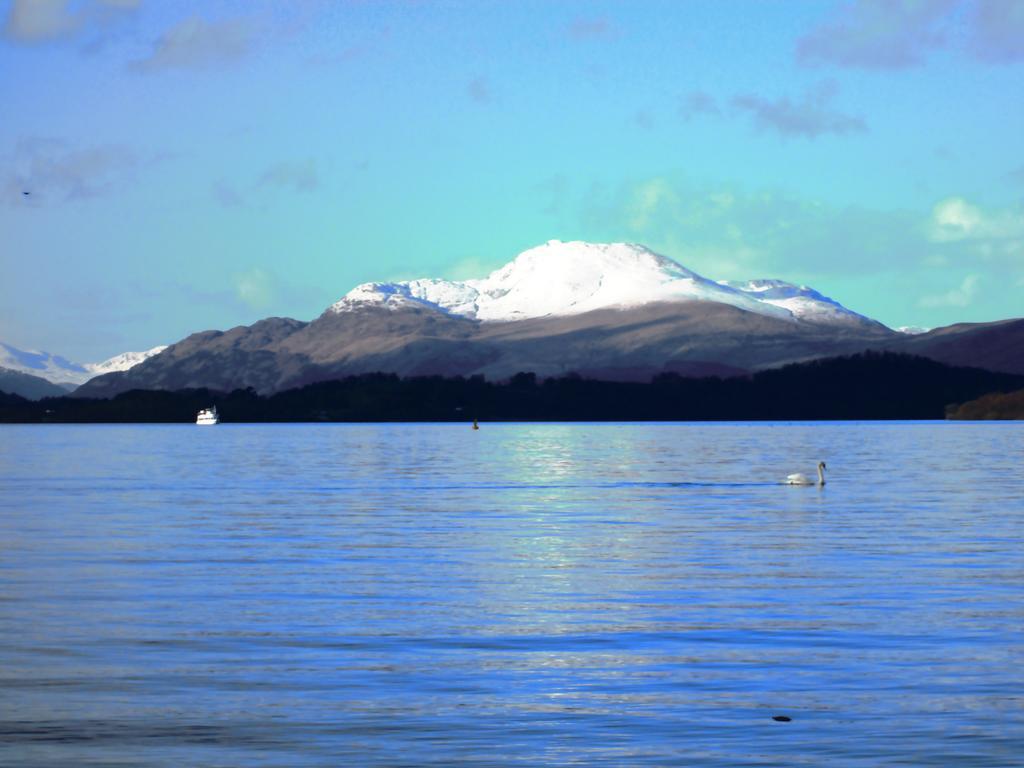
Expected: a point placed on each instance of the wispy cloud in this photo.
(42, 21)
(342, 57)
(698, 103)
(642, 118)
(298, 176)
(554, 192)
(876, 34)
(479, 91)
(471, 268)
(997, 31)
(195, 43)
(295, 176)
(41, 171)
(647, 200)
(899, 34)
(961, 296)
(967, 233)
(728, 232)
(811, 116)
(591, 29)
(226, 194)
(33, 21)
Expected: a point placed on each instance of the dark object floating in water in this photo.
(26, 194)
(781, 719)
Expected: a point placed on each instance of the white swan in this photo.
(802, 479)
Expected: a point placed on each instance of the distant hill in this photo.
(28, 386)
(996, 346)
(63, 372)
(995, 405)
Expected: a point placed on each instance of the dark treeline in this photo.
(865, 386)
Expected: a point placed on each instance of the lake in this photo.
(528, 594)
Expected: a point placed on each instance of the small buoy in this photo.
(782, 719)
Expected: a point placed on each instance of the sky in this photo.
(195, 165)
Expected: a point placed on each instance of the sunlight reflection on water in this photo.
(526, 594)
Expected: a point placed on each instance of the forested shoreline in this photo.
(865, 386)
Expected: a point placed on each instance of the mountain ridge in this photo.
(617, 311)
(58, 370)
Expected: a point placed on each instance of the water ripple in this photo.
(529, 594)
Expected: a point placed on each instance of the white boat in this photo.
(208, 416)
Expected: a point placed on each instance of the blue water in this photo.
(592, 594)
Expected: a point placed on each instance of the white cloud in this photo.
(956, 219)
(647, 197)
(265, 291)
(255, 288)
(961, 296)
(471, 268)
(726, 231)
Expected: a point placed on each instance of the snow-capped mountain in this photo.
(802, 302)
(60, 370)
(613, 311)
(123, 362)
(560, 279)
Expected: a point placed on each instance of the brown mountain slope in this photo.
(697, 338)
(691, 336)
(694, 338)
(997, 346)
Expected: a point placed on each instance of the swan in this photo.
(802, 479)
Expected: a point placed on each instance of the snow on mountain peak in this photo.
(58, 370)
(123, 362)
(568, 278)
(802, 301)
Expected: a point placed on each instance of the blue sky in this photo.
(196, 165)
